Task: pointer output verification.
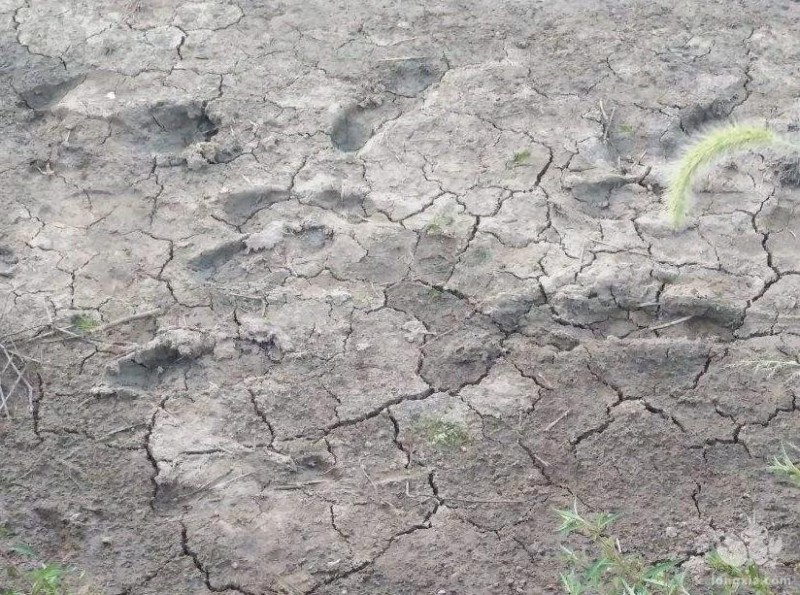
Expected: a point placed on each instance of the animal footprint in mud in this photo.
(408, 77)
(7, 262)
(208, 261)
(306, 237)
(168, 347)
(405, 79)
(267, 238)
(355, 125)
(285, 240)
(240, 207)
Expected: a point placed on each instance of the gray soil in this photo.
(412, 287)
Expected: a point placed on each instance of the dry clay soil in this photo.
(405, 283)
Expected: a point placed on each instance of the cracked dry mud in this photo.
(359, 220)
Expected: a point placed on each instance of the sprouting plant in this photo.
(481, 254)
(591, 526)
(734, 578)
(519, 158)
(435, 293)
(83, 323)
(706, 150)
(22, 549)
(46, 580)
(784, 467)
(440, 225)
(444, 433)
(745, 576)
(608, 570)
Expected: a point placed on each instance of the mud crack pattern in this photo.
(414, 288)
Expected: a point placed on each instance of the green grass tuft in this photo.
(784, 467)
(604, 568)
(22, 549)
(626, 128)
(705, 151)
(47, 580)
(440, 225)
(443, 433)
(519, 158)
(84, 323)
(748, 576)
(481, 254)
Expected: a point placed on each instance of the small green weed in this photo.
(440, 225)
(705, 151)
(735, 578)
(784, 467)
(607, 570)
(22, 549)
(610, 572)
(84, 323)
(444, 433)
(435, 293)
(519, 158)
(481, 254)
(46, 580)
(747, 577)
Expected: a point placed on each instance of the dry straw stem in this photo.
(12, 379)
(707, 149)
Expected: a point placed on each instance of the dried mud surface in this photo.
(412, 288)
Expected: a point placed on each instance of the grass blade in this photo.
(704, 152)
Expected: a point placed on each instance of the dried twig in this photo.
(121, 430)
(375, 488)
(541, 460)
(100, 329)
(553, 423)
(471, 501)
(207, 485)
(296, 486)
(12, 379)
(606, 120)
(658, 327)
(139, 316)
